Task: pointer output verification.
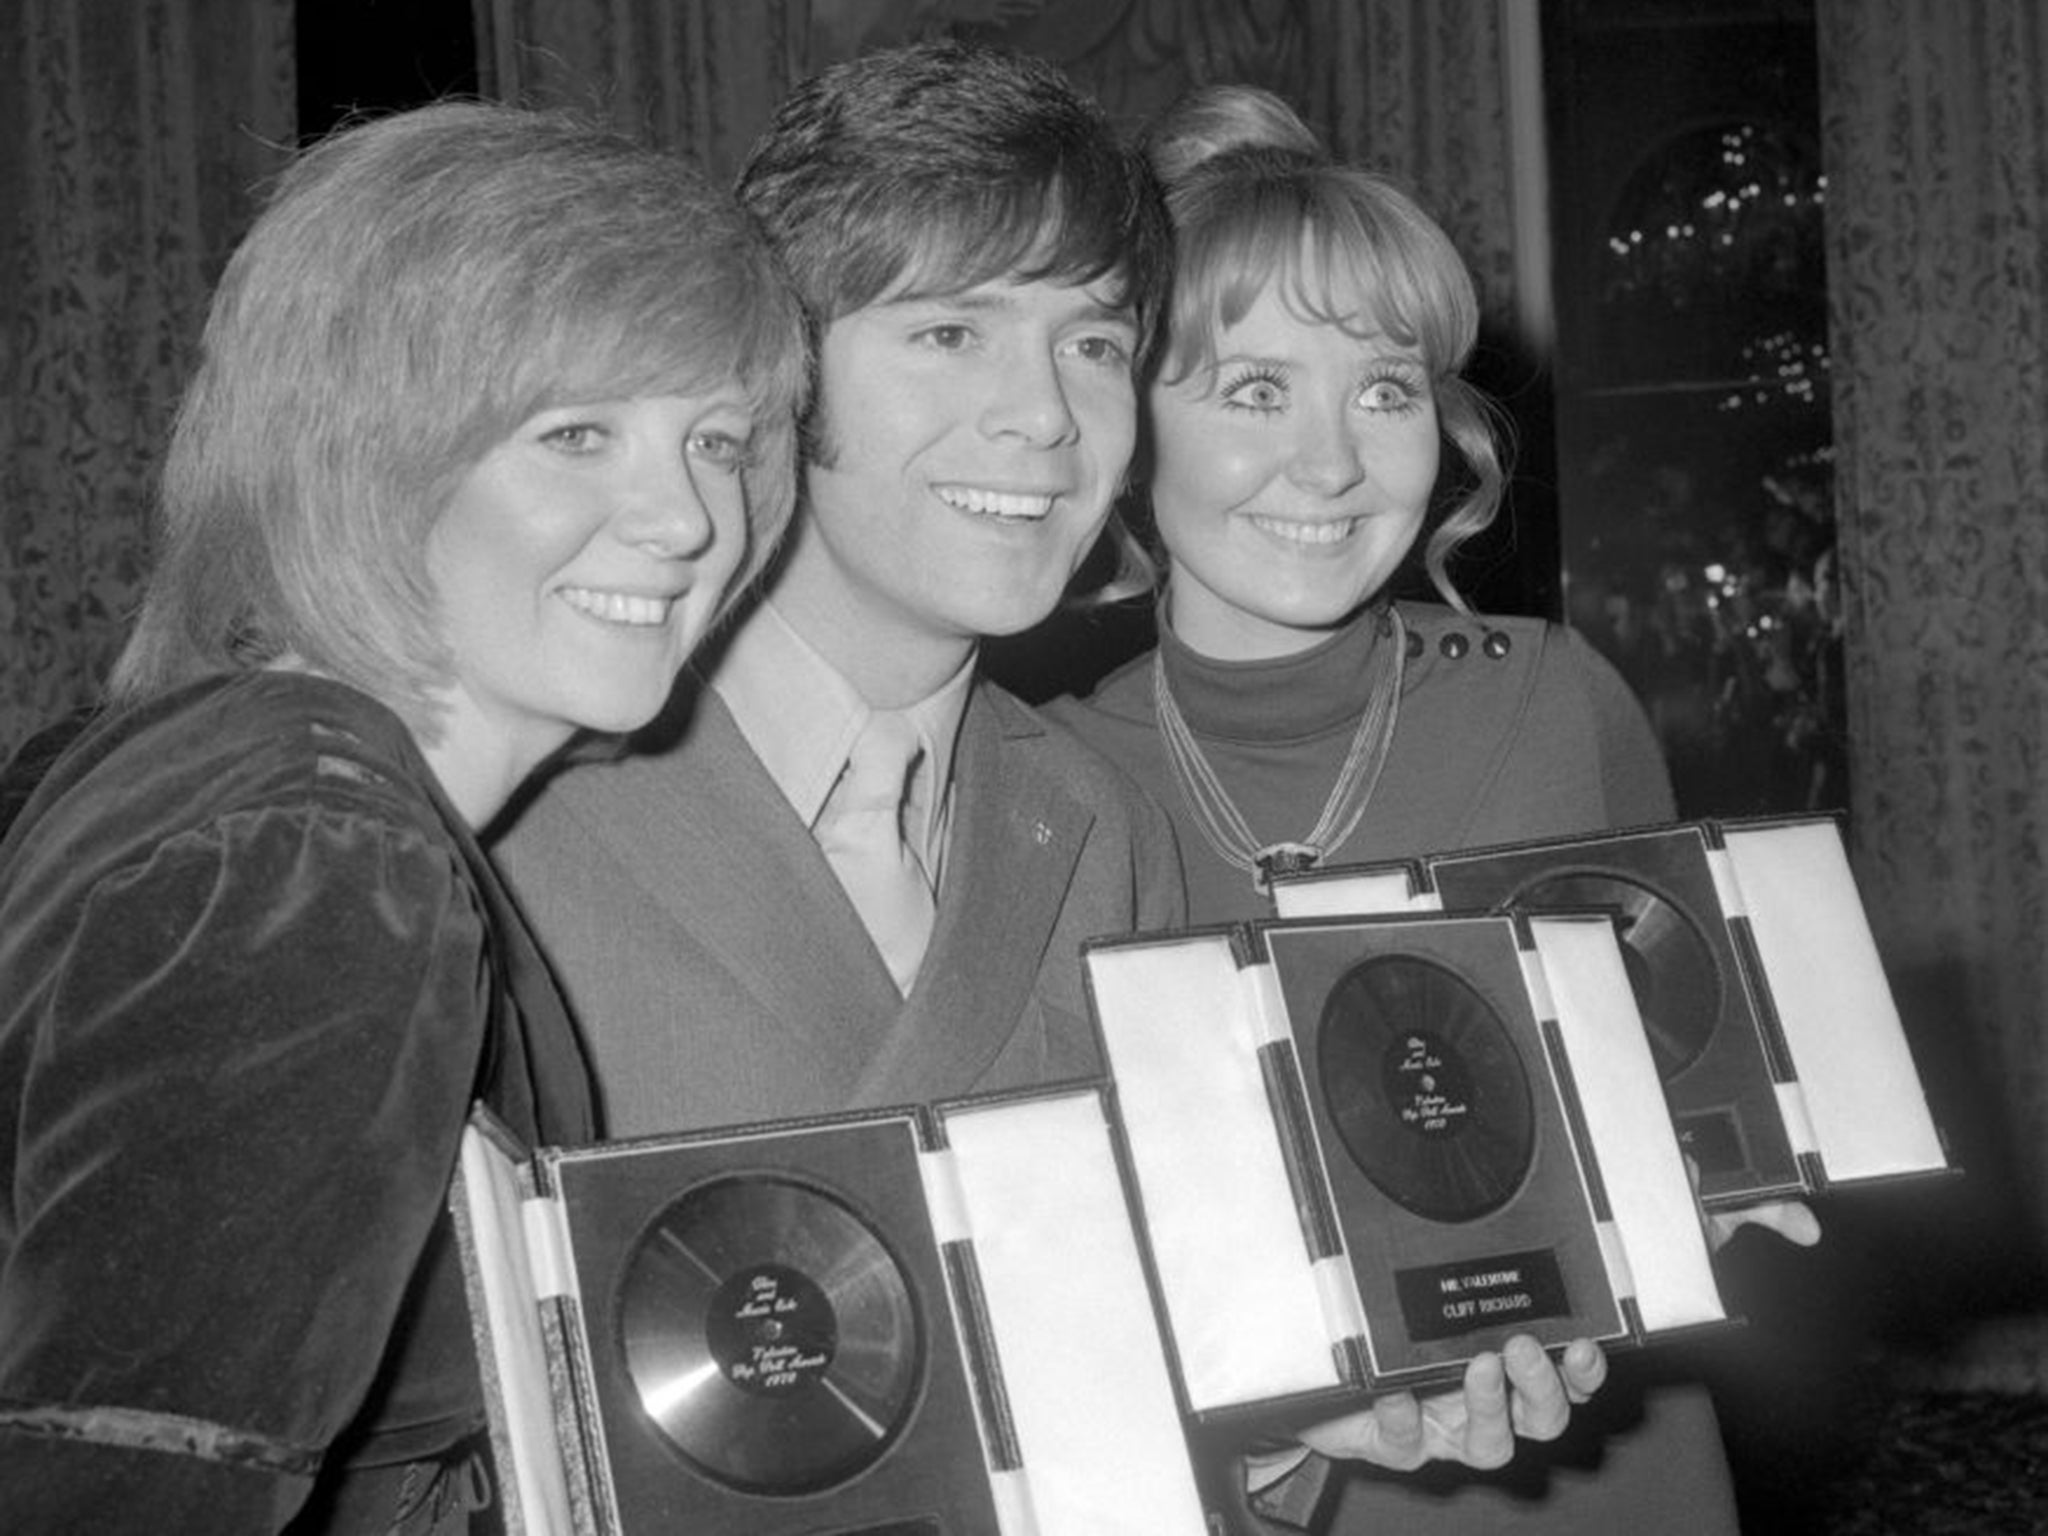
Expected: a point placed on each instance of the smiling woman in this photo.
(422, 290)
(1292, 476)
(576, 565)
(1312, 440)
(494, 410)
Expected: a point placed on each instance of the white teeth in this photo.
(617, 607)
(967, 498)
(1307, 533)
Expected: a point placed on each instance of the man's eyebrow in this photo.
(985, 298)
(977, 298)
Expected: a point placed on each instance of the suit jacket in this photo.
(721, 975)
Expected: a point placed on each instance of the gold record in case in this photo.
(1446, 1150)
(1714, 1050)
(1425, 1087)
(770, 1335)
(768, 1340)
(1671, 967)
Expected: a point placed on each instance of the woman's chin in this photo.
(622, 714)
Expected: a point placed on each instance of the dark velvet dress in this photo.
(1508, 729)
(253, 972)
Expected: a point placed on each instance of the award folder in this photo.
(1365, 1149)
(900, 1323)
(1777, 1039)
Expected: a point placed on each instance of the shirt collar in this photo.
(800, 715)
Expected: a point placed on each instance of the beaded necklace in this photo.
(1216, 815)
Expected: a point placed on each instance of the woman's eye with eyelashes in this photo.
(1256, 389)
(1393, 392)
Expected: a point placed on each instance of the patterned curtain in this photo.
(1935, 120)
(1416, 88)
(1412, 87)
(130, 136)
(697, 76)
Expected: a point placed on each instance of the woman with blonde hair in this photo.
(494, 411)
(1313, 445)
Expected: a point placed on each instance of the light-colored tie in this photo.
(861, 833)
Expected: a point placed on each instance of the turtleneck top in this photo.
(1507, 729)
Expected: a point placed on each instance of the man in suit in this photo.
(981, 261)
(983, 267)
